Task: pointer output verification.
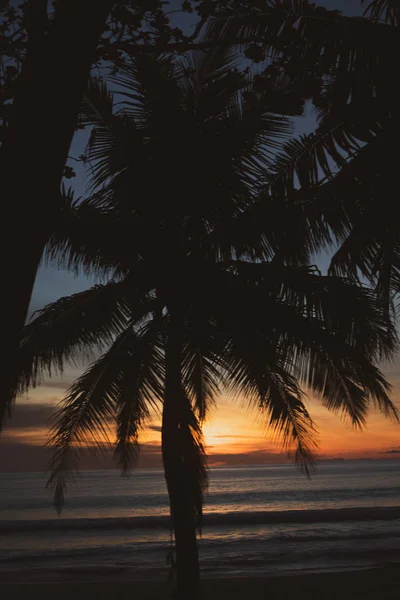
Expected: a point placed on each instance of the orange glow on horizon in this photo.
(232, 430)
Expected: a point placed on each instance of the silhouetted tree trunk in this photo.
(181, 502)
(34, 152)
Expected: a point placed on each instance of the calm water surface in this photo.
(259, 520)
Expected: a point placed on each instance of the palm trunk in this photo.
(35, 149)
(176, 473)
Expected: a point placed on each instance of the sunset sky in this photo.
(233, 434)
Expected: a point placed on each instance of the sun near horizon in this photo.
(233, 433)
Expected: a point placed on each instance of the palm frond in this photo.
(218, 122)
(71, 328)
(150, 84)
(120, 388)
(206, 67)
(365, 188)
(93, 240)
(271, 228)
(342, 61)
(253, 371)
(97, 107)
(323, 331)
(310, 159)
(319, 183)
(289, 418)
(200, 374)
(114, 142)
(349, 62)
(89, 409)
(384, 10)
(333, 302)
(307, 160)
(141, 388)
(347, 382)
(316, 33)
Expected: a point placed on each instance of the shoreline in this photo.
(379, 583)
(110, 574)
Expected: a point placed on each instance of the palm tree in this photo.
(345, 172)
(200, 296)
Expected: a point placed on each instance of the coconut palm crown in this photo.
(209, 285)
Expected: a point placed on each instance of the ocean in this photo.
(259, 520)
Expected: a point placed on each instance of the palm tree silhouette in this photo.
(202, 294)
(345, 172)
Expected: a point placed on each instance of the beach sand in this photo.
(370, 584)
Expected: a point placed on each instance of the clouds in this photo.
(30, 416)
(17, 456)
(22, 444)
(22, 447)
(255, 457)
(232, 437)
(393, 451)
(23, 457)
(57, 384)
(156, 428)
(26, 430)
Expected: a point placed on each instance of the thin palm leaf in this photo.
(120, 387)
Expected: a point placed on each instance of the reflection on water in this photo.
(342, 534)
(102, 494)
